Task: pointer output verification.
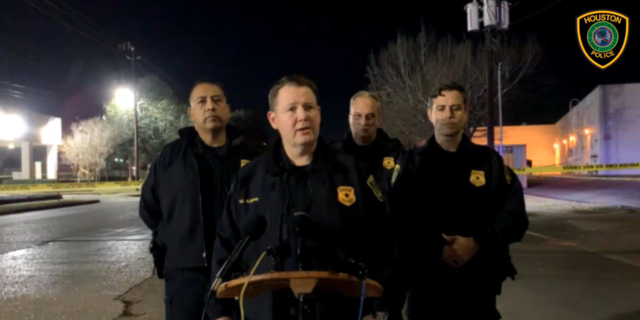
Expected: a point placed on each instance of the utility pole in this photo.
(500, 107)
(491, 92)
(128, 47)
(495, 17)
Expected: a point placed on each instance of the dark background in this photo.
(66, 65)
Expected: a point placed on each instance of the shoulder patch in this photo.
(388, 162)
(243, 162)
(346, 195)
(371, 182)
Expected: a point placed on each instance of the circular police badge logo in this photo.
(602, 36)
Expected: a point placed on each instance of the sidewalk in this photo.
(601, 229)
(609, 231)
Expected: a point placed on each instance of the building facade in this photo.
(603, 128)
(24, 130)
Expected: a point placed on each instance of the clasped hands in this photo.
(458, 250)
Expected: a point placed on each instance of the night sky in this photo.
(55, 61)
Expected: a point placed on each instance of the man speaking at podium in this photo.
(300, 176)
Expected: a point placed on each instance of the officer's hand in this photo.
(464, 247)
(448, 254)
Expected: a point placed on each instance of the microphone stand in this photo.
(302, 306)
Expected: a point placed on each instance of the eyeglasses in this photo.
(368, 117)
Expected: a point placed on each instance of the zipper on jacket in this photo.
(204, 240)
(284, 218)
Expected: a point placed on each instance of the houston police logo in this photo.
(602, 36)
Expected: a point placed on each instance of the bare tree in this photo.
(87, 147)
(405, 72)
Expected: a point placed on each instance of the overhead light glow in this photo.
(124, 98)
(12, 127)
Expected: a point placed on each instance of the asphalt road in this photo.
(72, 263)
(613, 192)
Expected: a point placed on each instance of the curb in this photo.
(52, 206)
(30, 198)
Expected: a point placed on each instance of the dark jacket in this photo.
(468, 193)
(378, 158)
(338, 201)
(171, 199)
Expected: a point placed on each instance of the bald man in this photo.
(367, 142)
(376, 153)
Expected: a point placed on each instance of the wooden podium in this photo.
(301, 283)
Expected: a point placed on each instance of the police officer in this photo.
(376, 153)
(183, 197)
(300, 174)
(367, 142)
(459, 207)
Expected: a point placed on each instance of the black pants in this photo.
(427, 305)
(185, 291)
(455, 299)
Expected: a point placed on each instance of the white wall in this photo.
(621, 125)
(578, 147)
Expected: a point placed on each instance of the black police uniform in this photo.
(330, 190)
(378, 158)
(469, 193)
(181, 202)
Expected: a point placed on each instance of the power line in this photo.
(85, 18)
(31, 62)
(515, 4)
(101, 32)
(72, 28)
(144, 60)
(538, 12)
(19, 86)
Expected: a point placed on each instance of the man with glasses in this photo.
(376, 154)
(367, 142)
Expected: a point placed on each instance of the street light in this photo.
(12, 127)
(126, 99)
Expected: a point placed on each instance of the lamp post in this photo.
(495, 17)
(126, 99)
(500, 106)
(130, 53)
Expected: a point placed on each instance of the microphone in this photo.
(304, 226)
(252, 230)
(278, 253)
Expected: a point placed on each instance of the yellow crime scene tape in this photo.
(80, 186)
(583, 168)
